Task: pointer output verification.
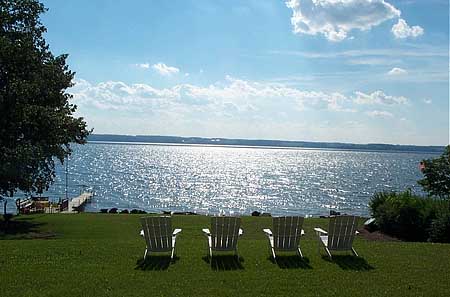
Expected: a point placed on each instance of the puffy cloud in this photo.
(397, 71)
(336, 18)
(427, 101)
(378, 97)
(228, 98)
(165, 70)
(403, 30)
(379, 114)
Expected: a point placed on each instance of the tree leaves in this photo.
(37, 124)
(437, 175)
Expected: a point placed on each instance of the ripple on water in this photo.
(235, 180)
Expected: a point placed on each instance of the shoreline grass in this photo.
(101, 255)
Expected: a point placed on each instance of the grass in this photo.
(100, 254)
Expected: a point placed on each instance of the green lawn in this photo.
(100, 255)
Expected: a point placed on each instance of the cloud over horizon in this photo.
(378, 97)
(231, 97)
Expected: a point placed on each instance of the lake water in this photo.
(232, 180)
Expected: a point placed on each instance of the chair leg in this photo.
(173, 253)
(299, 251)
(273, 254)
(328, 252)
(354, 252)
(145, 254)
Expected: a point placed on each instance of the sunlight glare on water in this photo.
(207, 179)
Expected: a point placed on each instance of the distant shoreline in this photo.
(263, 144)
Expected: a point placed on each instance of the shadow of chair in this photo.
(155, 263)
(225, 262)
(291, 262)
(349, 262)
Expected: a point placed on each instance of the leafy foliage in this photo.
(440, 227)
(437, 175)
(411, 217)
(37, 124)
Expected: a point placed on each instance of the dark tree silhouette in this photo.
(437, 175)
(37, 125)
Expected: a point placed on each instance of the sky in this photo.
(360, 71)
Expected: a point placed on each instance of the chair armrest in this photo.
(206, 231)
(302, 232)
(320, 230)
(241, 232)
(268, 232)
(175, 232)
(141, 233)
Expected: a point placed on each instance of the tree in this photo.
(37, 122)
(437, 175)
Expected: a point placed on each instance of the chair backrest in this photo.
(341, 232)
(224, 232)
(157, 233)
(287, 232)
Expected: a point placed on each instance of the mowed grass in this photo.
(100, 255)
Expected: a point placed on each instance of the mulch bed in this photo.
(376, 235)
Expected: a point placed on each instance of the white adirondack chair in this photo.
(286, 235)
(340, 235)
(158, 235)
(224, 234)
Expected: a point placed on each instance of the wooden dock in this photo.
(76, 204)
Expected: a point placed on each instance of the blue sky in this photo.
(359, 71)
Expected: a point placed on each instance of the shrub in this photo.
(124, 211)
(104, 210)
(113, 210)
(404, 215)
(440, 226)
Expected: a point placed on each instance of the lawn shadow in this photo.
(225, 262)
(25, 228)
(348, 262)
(155, 263)
(291, 262)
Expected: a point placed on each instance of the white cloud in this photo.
(229, 98)
(336, 18)
(241, 95)
(403, 30)
(378, 97)
(427, 101)
(397, 71)
(379, 114)
(143, 65)
(165, 70)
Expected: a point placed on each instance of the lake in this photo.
(235, 180)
